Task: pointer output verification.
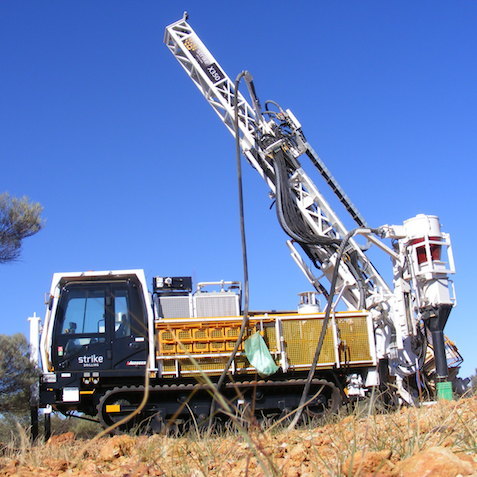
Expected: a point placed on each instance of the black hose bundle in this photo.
(292, 222)
(289, 216)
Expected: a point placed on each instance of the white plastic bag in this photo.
(259, 356)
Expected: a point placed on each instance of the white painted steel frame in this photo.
(315, 209)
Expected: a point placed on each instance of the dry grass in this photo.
(356, 444)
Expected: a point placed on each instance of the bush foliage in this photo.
(17, 374)
(19, 218)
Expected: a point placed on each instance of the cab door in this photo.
(81, 333)
(129, 334)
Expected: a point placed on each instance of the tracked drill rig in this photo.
(103, 331)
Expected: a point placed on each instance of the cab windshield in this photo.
(82, 318)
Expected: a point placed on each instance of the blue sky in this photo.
(99, 124)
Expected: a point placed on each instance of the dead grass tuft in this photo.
(358, 444)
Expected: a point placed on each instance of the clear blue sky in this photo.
(99, 123)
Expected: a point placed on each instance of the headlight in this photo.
(48, 378)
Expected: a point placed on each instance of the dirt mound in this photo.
(436, 440)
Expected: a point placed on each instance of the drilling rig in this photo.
(352, 334)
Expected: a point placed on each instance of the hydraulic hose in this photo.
(354, 269)
(292, 223)
(246, 298)
(324, 328)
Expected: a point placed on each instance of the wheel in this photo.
(324, 398)
(112, 408)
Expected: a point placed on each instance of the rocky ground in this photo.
(437, 440)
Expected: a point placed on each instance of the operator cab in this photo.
(100, 325)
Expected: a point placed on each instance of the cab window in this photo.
(122, 320)
(84, 312)
(128, 311)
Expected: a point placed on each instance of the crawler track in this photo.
(186, 401)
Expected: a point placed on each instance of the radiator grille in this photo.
(216, 304)
(174, 307)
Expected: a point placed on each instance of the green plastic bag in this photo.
(259, 356)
